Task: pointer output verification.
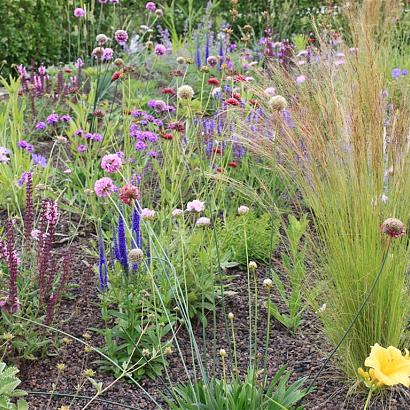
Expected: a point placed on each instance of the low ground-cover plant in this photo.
(8, 389)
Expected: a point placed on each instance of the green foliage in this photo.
(135, 327)
(294, 272)
(249, 237)
(8, 389)
(240, 394)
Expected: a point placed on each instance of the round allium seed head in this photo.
(101, 39)
(222, 352)
(119, 62)
(270, 91)
(278, 103)
(212, 61)
(159, 12)
(252, 265)
(230, 316)
(204, 69)
(185, 92)
(243, 210)
(60, 139)
(181, 60)
(393, 227)
(135, 255)
(98, 52)
(268, 283)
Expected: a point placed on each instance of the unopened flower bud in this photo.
(252, 265)
(230, 316)
(222, 352)
(268, 283)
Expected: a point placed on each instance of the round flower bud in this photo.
(177, 212)
(268, 283)
(212, 61)
(230, 316)
(252, 265)
(101, 39)
(278, 103)
(242, 210)
(181, 60)
(393, 227)
(119, 62)
(159, 12)
(222, 352)
(135, 255)
(185, 92)
(204, 69)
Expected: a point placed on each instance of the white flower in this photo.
(195, 206)
(216, 92)
(322, 308)
(185, 92)
(35, 234)
(203, 221)
(252, 265)
(278, 103)
(242, 210)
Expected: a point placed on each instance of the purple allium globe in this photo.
(121, 37)
(160, 50)
(104, 187)
(150, 6)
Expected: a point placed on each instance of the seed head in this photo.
(393, 227)
(135, 255)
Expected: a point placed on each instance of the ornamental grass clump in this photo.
(348, 153)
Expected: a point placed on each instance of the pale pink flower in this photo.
(147, 214)
(203, 221)
(195, 206)
(104, 187)
(111, 163)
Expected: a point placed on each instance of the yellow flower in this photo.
(389, 365)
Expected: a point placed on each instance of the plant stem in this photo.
(369, 396)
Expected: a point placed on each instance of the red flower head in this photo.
(239, 78)
(393, 227)
(177, 126)
(166, 136)
(214, 81)
(168, 90)
(232, 164)
(232, 101)
(220, 170)
(68, 70)
(237, 96)
(128, 194)
(254, 102)
(116, 75)
(216, 150)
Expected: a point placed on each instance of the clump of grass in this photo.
(349, 154)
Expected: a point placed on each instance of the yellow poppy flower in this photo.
(389, 365)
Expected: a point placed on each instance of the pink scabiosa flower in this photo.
(150, 6)
(121, 37)
(128, 194)
(203, 221)
(79, 12)
(104, 187)
(107, 54)
(177, 212)
(160, 49)
(393, 227)
(195, 206)
(147, 214)
(111, 163)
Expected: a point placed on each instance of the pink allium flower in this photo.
(160, 50)
(147, 214)
(121, 37)
(104, 187)
(79, 63)
(300, 79)
(107, 54)
(111, 163)
(150, 6)
(195, 206)
(79, 12)
(243, 209)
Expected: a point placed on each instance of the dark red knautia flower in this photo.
(214, 81)
(239, 78)
(237, 96)
(128, 194)
(232, 164)
(232, 101)
(177, 126)
(216, 150)
(166, 136)
(168, 91)
(254, 102)
(116, 75)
